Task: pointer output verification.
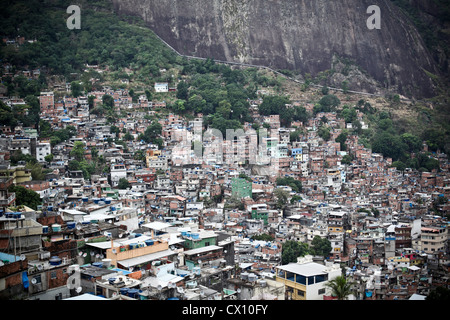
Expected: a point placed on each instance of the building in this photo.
(43, 149)
(306, 280)
(6, 198)
(433, 239)
(161, 87)
(241, 188)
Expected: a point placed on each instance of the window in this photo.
(38, 279)
(53, 275)
(321, 291)
(301, 293)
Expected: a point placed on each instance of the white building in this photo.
(161, 87)
(43, 149)
(118, 171)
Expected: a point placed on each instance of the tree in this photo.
(26, 197)
(347, 159)
(77, 151)
(152, 132)
(389, 145)
(282, 197)
(400, 165)
(340, 287)
(292, 250)
(296, 185)
(76, 88)
(108, 101)
(324, 133)
(342, 138)
(123, 184)
(273, 105)
(439, 294)
(321, 246)
(36, 171)
(329, 102)
(412, 142)
(182, 90)
(49, 158)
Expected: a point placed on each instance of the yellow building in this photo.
(19, 174)
(136, 253)
(306, 280)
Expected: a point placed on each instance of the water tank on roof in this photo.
(106, 263)
(195, 235)
(196, 270)
(71, 225)
(133, 293)
(251, 277)
(56, 227)
(55, 261)
(85, 199)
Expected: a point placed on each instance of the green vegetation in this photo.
(26, 197)
(296, 185)
(320, 246)
(293, 249)
(340, 287)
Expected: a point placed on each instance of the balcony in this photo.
(9, 200)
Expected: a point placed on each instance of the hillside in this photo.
(307, 37)
(126, 49)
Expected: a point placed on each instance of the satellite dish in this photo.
(159, 287)
(180, 290)
(97, 256)
(79, 289)
(80, 253)
(40, 267)
(85, 254)
(33, 281)
(22, 257)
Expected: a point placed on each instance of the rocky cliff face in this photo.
(301, 35)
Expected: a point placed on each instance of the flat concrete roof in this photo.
(307, 269)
